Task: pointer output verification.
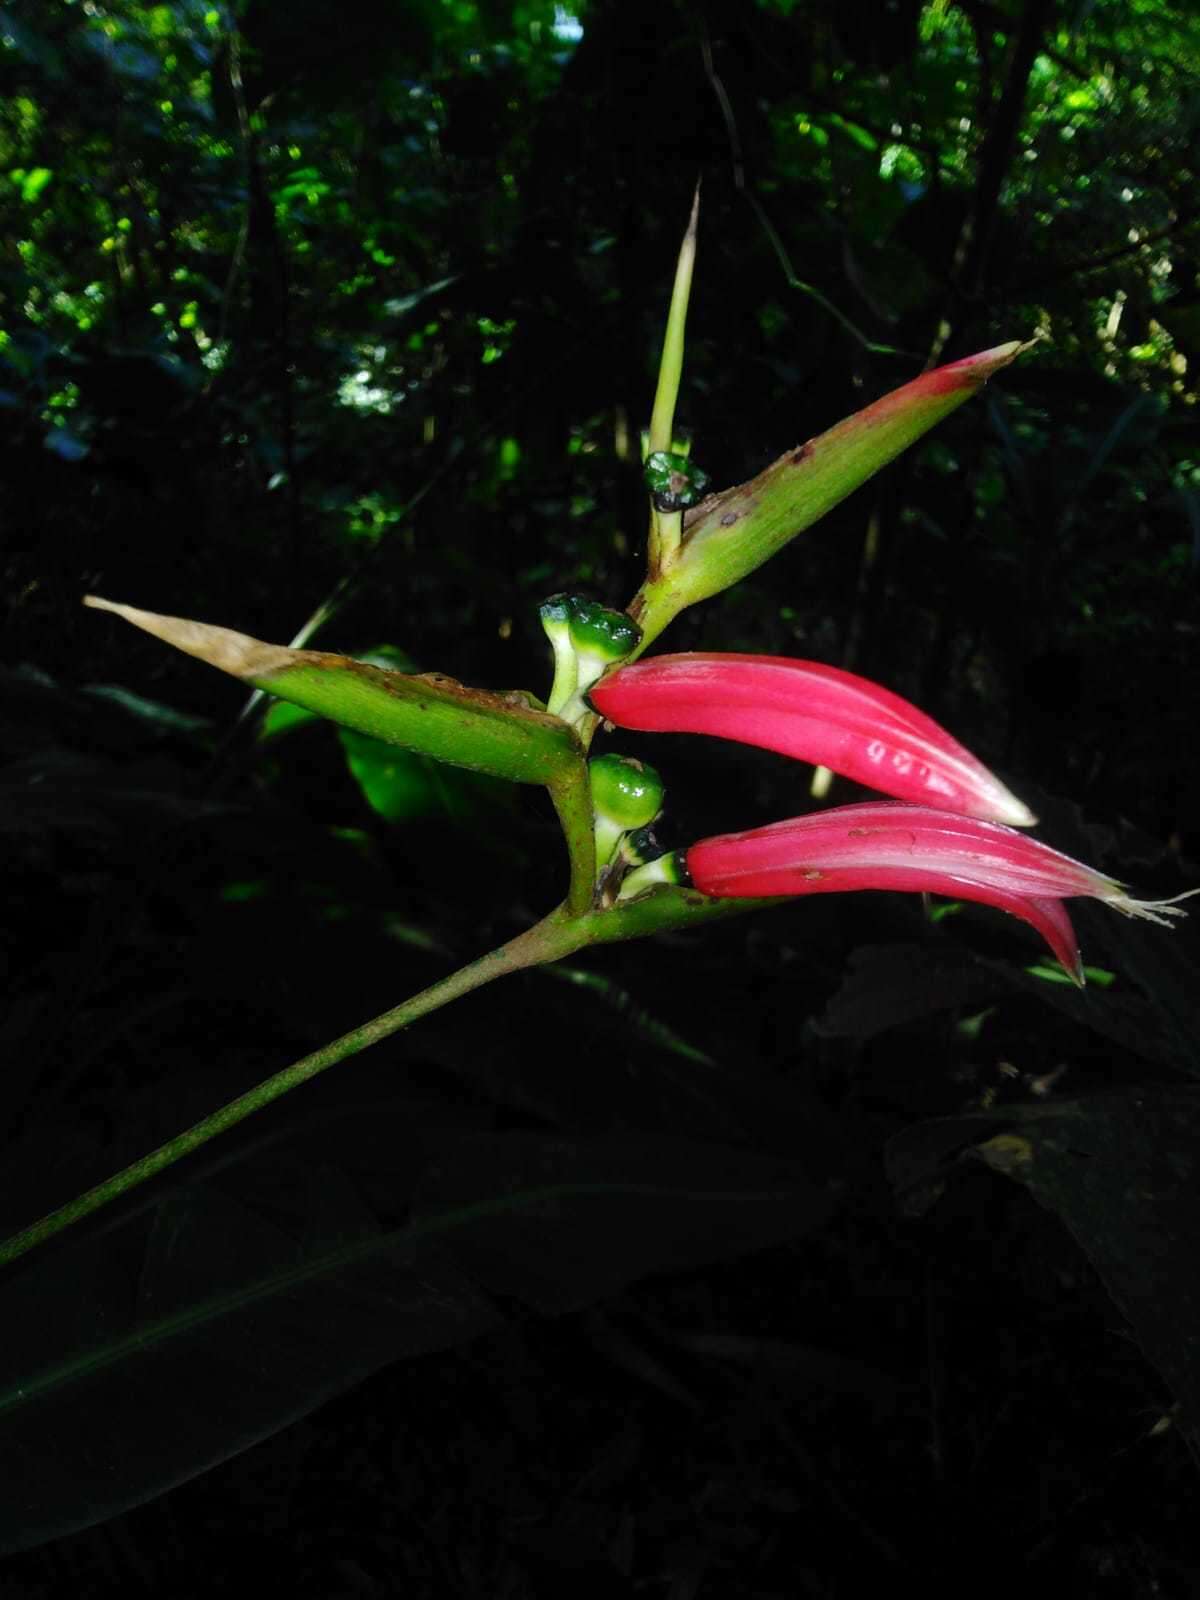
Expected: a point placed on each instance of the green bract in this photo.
(735, 531)
(501, 734)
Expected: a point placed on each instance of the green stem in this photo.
(566, 671)
(664, 531)
(667, 531)
(653, 608)
(572, 797)
(555, 936)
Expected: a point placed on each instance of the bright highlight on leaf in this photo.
(813, 713)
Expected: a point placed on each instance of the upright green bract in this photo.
(730, 534)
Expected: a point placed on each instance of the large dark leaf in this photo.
(1121, 1170)
(135, 1358)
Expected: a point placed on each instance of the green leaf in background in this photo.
(282, 717)
(888, 985)
(403, 787)
(152, 713)
(397, 784)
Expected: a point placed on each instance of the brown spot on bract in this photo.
(728, 520)
(802, 454)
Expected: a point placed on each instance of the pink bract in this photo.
(810, 712)
(882, 845)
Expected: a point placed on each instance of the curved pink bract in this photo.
(914, 849)
(814, 713)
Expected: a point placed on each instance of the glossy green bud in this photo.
(626, 794)
(601, 634)
(627, 791)
(674, 482)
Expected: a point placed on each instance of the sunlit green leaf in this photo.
(494, 733)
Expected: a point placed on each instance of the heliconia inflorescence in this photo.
(885, 845)
(813, 713)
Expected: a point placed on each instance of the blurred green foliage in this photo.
(372, 300)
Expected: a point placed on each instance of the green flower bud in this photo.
(556, 613)
(674, 482)
(600, 634)
(587, 638)
(626, 794)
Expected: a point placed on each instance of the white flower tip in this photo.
(1001, 804)
(1159, 911)
(999, 355)
(1015, 813)
(1016, 347)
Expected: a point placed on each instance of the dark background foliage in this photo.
(350, 311)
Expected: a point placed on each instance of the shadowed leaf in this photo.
(1120, 1170)
(239, 1303)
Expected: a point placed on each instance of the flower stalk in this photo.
(558, 935)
